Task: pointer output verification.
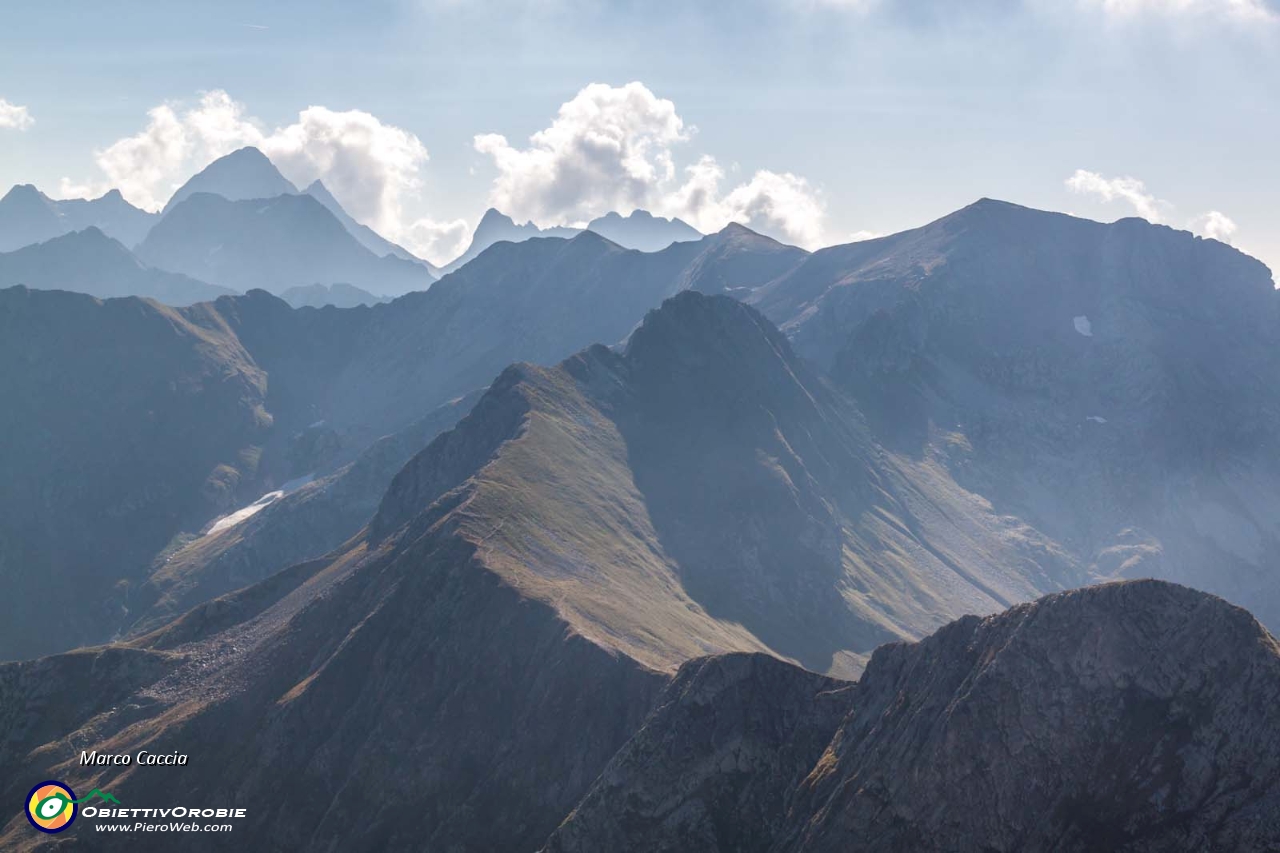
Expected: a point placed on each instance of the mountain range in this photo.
(279, 244)
(638, 230)
(90, 262)
(531, 601)
(726, 546)
(274, 244)
(320, 386)
(28, 216)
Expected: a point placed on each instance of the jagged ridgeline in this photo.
(617, 596)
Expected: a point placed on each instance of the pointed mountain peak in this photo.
(317, 189)
(736, 229)
(24, 192)
(243, 174)
(494, 217)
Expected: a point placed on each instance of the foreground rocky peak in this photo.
(1135, 716)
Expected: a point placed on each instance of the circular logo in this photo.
(51, 806)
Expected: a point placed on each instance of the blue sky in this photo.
(815, 120)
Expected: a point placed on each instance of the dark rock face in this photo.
(711, 769)
(1136, 716)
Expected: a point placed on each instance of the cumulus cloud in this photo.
(1215, 224)
(1126, 189)
(368, 165)
(611, 148)
(14, 117)
(607, 149)
(438, 242)
(859, 236)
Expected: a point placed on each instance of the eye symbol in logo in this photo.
(51, 806)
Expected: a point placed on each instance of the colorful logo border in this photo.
(26, 806)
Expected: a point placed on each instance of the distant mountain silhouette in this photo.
(90, 262)
(368, 238)
(338, 295)
(638, 230)
(642, 230)
(242, 174)
(495, 227)
(271, 243)
(28, 216)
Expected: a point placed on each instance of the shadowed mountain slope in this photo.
(332, 382)
(271, 243)
(370, 239)
(529, 582)
(110, 448)
(1111, 385)
(90, 262)
(1132, 717)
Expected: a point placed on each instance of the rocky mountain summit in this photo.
(1134, 716)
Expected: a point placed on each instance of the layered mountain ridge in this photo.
(28, 216)
(90, 262)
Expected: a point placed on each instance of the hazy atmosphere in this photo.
(816, 121)
(803, 426)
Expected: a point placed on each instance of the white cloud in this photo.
(1130, 190)
(14, 117)
(864, 234)
(607, 149)
(369, 166)
(438, 242)
(1214, 224)
(1237, 10)
(611, 148)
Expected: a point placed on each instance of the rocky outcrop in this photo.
(714, 764)
(1136, 716)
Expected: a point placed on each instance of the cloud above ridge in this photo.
(613, 148)
(1130, 190)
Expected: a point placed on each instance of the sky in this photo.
(816, 121)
